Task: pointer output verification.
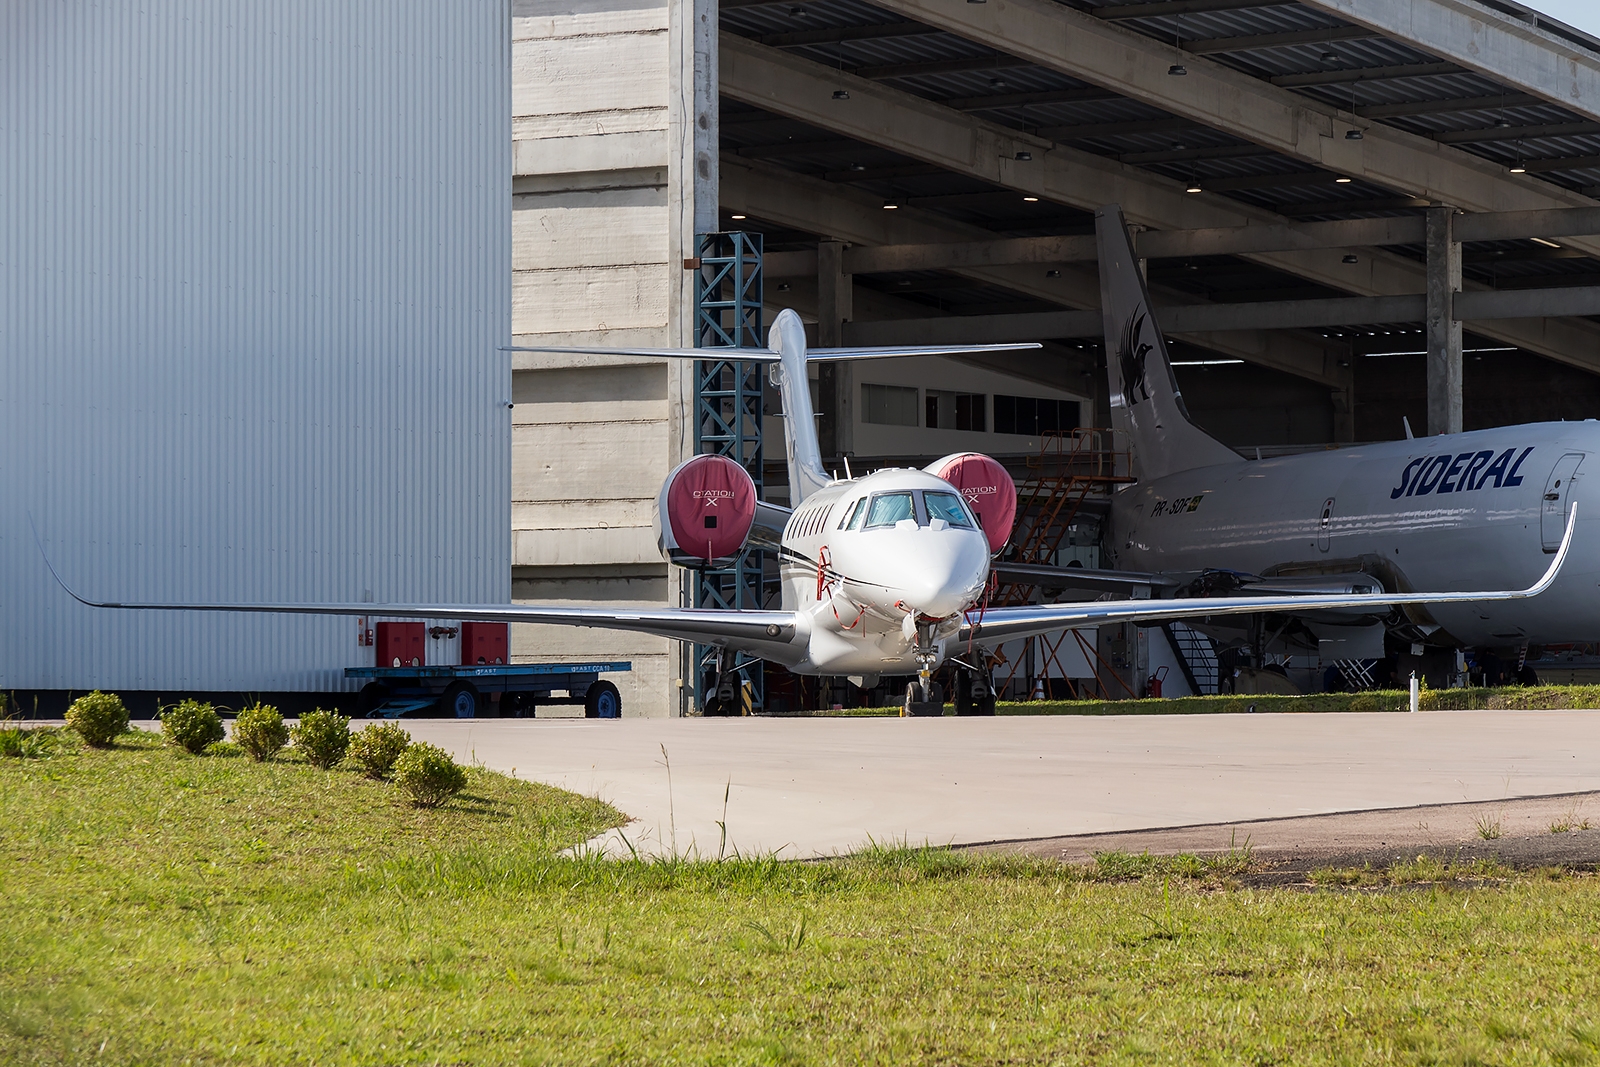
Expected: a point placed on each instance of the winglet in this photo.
(55, 574)
(1561, 554)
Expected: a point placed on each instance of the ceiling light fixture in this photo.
(1194, 187)
(1542, 241)
(858, 167)
(1351, 257)
(1177, 70)
(890, 205)
(841, 94)
(1342, 180)
(1518, 168)
(1030, 199)
(1353, 135)
(1024, 157)
(783, 287)
(1052, 273)
(738, 218)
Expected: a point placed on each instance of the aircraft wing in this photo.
(709, 626)
(1102, 581)
(767, 355)
(1010, 623)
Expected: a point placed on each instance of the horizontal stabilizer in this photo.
(767, 355)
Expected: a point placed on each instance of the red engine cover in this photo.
(705, 511)
(987, 489)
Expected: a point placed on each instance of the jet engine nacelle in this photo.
(986, 487)
(704, 513)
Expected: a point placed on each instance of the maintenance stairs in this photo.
(1197, 658)
(1069, 469)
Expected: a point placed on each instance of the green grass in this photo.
(163, 908)
(1510, 698)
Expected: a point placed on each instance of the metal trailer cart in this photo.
(469, 692)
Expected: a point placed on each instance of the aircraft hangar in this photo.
(1355, 216)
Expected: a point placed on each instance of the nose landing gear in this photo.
(926, 655)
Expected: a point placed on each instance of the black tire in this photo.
(602, 701)
(461, 701)
(370, 699)
(1527, 676)
(963, 693)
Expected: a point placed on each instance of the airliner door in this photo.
(1557, 494)
(1323, 532)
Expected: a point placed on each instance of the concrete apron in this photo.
(817, 787)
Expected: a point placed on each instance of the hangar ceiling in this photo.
(913, 121)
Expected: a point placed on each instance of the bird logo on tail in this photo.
(1131, 355)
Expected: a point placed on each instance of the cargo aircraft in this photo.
(1476, 510)
(887, 573)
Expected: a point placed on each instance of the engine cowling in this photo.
(705, 511)
(988, 490)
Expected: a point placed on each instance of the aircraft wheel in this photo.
(963, 693)
(917, 708)
(602, 702)
(370, 699)
(460, 700)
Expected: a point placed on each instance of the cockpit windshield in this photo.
(890, 508)
(947, 506)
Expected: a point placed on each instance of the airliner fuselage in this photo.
(1458, 511)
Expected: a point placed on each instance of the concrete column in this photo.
(1444, 331)
(707, 81)
(835, 307)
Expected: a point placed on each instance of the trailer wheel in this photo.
(460, 700)
(602, 702)
(370, 699)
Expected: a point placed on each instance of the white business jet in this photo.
(882, 574)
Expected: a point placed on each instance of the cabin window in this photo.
(889, 405)
(890, 508)
(955, 411)
(1030, 416)
(946, 506)
(850, 517)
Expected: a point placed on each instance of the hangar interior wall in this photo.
(599, 217)
(252, 287)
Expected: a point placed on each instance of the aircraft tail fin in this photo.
(1145, 401)
(787, 338)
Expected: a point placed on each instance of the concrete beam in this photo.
(847, 214)
(1061, 38)
(1528, 54)
(922, 129)
(1199, 319)
(1180, 244)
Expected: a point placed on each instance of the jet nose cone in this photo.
(941, 572)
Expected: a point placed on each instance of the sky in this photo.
(1583, 14)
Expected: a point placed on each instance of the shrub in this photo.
(20, 742)
(99, 718)
(259, 730)
(323, 736)
(192, 725)
(376, 748)
(428, 775)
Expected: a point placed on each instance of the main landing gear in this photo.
(974, 693)
(723, 691)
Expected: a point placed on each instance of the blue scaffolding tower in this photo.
(727, 399)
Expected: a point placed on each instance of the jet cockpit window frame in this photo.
(962, 517)
(912, 511)
(853, 517)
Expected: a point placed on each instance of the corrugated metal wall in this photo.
(253, 275)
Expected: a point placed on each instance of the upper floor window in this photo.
(954, 411)
(1030, 416)
(889, 405)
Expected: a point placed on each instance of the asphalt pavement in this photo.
(821, 786)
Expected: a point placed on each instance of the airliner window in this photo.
(890, 508)
(946, 506)
(852, 519)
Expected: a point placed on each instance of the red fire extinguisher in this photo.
(1152, 685)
